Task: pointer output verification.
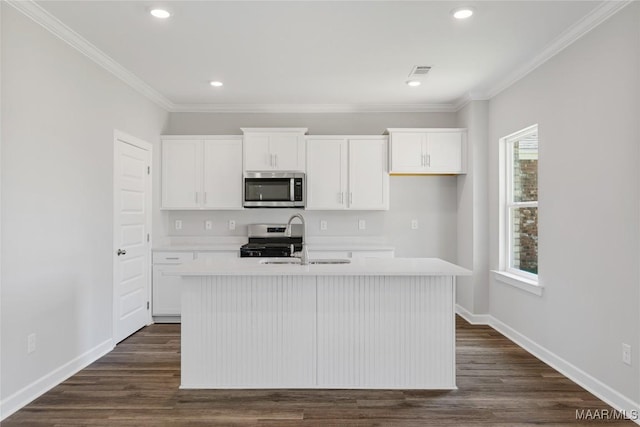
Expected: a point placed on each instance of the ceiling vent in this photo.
(419, 71)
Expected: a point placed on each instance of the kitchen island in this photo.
(372, 323)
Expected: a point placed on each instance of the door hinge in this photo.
(147, 305)
(148, 170)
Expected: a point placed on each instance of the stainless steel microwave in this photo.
(274, 190)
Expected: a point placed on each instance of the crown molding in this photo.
(313, 108)
(39, 15)
(590, 21)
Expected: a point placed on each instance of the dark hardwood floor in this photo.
(137, 385)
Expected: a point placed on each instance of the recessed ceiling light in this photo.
(215, 84)
(462, 13)
(413, 83)
(160, 13)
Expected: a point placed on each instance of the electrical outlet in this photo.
(178, 224)
(626, 354)
(232, 224)
(208, 225)
(31, 343)
(414, 224)
(362, 224)
(323, 225)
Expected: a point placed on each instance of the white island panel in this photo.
(386, 332)
(248, 332)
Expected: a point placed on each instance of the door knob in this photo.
(121, 252)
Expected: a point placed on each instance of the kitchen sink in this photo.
(329, 261)
(311, 261)
(281, 261)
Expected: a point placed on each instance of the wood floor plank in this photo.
(137, 384)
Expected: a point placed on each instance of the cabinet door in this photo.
(368, 177)
(326, 173)
(287, 152)
(181, 174)
(444, 152)
(408, 152)
(256, 153)
(222, 174)
(166, 292)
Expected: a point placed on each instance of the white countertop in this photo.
(357, 267)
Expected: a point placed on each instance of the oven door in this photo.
(270, 190)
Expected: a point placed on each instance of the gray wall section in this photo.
(589, 182)
(59, 112)
(318, 124)
(472, 292)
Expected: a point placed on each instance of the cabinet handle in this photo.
(205, 197)
(172, 258)
(275, 156)
(341, 197)
(196, 197)
(350, 198)
(121, 252)
(428, 160)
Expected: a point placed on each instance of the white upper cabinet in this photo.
(368, 177)
(274, 149)
(428, 151)
(222, 174)
(347, 173)
(181, 173)
(202, 173)
(327, 165)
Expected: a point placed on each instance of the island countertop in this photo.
(357, 267)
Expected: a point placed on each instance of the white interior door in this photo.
(132, 228)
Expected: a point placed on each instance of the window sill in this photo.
(528, 285)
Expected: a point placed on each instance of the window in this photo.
(520, 220)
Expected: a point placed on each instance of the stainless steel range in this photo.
(269, 240)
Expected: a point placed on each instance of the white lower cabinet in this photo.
(167, 289)
(382, 253)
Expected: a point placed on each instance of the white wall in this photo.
(472, 292)
(586, 102)
(59, 113)
(429, 199)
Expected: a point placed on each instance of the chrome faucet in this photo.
(302, 254)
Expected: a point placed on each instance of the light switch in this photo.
(178, 224)
(323, 225)
(414, 224)
(362, 224)
(232, 224)
(208, 225)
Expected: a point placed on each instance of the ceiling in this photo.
(323, 53)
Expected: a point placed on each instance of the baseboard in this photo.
(474, 319)
(37, 388)
(588, 382)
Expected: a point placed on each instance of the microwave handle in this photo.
(292, 187)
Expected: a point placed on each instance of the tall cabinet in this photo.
(347, 172)
(202, 173)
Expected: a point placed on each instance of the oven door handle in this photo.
(292, 189)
